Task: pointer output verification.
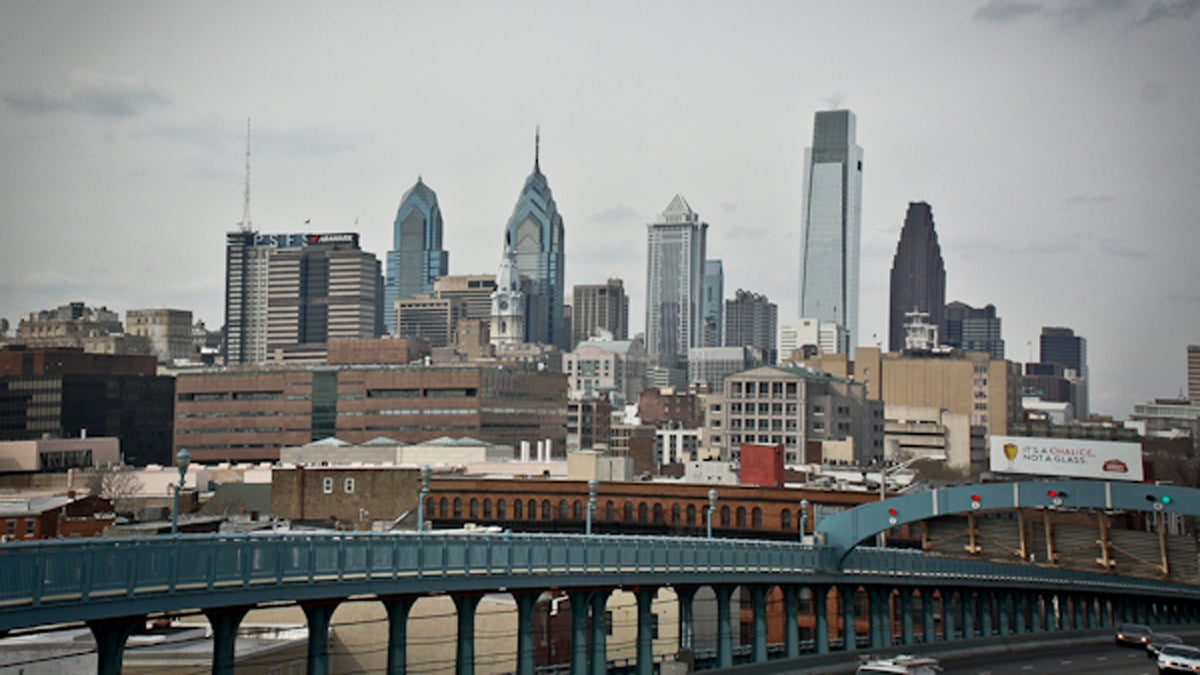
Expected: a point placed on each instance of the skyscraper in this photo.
(674, 283)
(1062, 346)
(973, 330)
(599, 307)
(714, 303)
(918, 274)
(751, 320)
(535, 231)
(1193, 374)
(417, 257)
(327, 289)
(829, 241)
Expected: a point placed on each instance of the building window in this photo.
(563, 510)
(724, 516)
(30, 526)
(676, 512)
(327, 485)
(473, 508)
(658, 514)
(756, 518)
(487, 508)
(691, 514)
(501, 509)
(458, 507)
(348, 486)
(741, 517)
(577, 510)
(517, 508)
(643, 512)
(628, 517)
(547, 511)
(444, 509)
(785, 520)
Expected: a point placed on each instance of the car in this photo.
(1160, 640)
(1178, 659)
(901, 664)
(1133, 634)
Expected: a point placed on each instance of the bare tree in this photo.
(118, 486)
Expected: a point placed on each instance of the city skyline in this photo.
(1055, 139)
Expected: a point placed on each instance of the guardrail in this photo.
(111, 577)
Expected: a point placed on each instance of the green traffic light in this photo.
(1166, 499)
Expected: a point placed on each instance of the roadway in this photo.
(1108, 659)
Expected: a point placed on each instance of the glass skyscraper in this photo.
(714, 303)
(417, 257)
(536, 232)
(918, 274)
(675, 284)
(829, 242)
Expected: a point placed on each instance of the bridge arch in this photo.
(845, 530)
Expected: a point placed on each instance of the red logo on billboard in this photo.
(1116, 466)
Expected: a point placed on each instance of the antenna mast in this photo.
(246, 225)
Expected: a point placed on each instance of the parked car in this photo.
(1178, 659)
(1135, 634)
(1160, 640)
(903, 664)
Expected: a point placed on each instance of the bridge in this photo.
(114, 585)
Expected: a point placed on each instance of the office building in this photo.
(1062, 346)
(805, 338)
(249, 413)
(829, 254)
(918, 274)
(63, 392)
(474, 289)
(417, 257)
(429, 318)
(675, 284)
(751, 320)
(95, 330)
(604, 367)
(326, 290)
(599, 309)
(709, 366)
(168, 330)
(535, 233)
(714, 304)
(797, 408)
(1193, 374)
(973, 330)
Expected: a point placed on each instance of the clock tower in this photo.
(508, 302)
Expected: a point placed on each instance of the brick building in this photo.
(249, 413)
(344, 494)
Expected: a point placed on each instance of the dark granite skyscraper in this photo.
(918, 274)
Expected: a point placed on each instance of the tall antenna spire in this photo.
(246, 225)
(537, 147)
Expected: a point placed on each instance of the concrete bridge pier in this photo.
(579, 632)
(949, 611)
(110, 641)
(849, 628)
(397, 608)
(464, 660)
(724, 632)
(645, 629)
(905, 607)
(820, 599)
(526, 604)
(225, 622)
(879, 616)
(687, 625)
(318, 613)
(758, 604)
(791, 627)
(598, 657)
(928, 631)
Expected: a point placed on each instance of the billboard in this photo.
(1073, 457)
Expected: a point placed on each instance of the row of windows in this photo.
(573, 510)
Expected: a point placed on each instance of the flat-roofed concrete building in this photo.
(249, 414)
(603, 366)
(599, 309)
(793, 407)
(429, 318)
(474, 289)
(711, 365)
(168, 330)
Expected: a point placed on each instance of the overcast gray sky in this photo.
(1058, 143)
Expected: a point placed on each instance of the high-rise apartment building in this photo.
(674, 283)
(829, 253)
(1064, 347)
(973, 330)
(417, 257)
(599, 307)
(714, 304)
(751, 320)
(535, 232)
(329, 289)
(918, 274)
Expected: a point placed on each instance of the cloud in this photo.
(1119, 249)
(729, 207)
(614, 215)
(1082, 11)
(1169, 10)
(93, 94)
(1090, 200)
(1006, 11)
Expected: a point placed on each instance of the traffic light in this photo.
(1056, 496)
(975, 501)
(892, 516)
(1159, 501)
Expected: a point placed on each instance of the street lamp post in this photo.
(712, 506)
(182, 460)
(593, 485)
(803, 518)
(426, 472)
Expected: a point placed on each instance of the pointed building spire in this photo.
(537, 148)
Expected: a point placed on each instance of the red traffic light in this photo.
(974, 498)
(1052, 493)
(891, 512)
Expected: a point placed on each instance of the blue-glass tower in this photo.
(417, 257)
(536, 232)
